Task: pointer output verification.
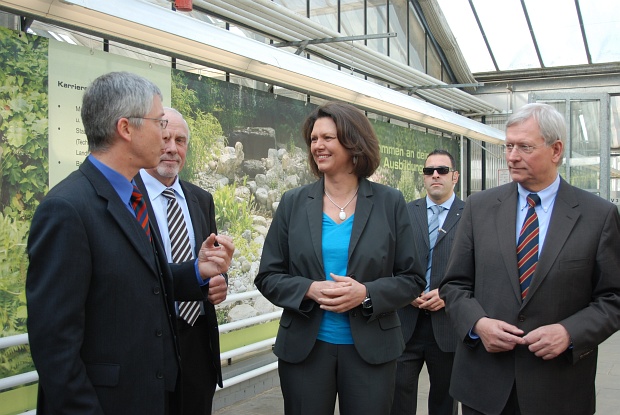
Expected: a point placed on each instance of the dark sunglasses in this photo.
(428, 171)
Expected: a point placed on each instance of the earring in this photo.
(354, 160)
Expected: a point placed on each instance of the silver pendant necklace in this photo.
(342, 215)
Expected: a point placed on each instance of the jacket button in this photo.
(521, 318)
(159, 375)
(158, 333)
(156, 290)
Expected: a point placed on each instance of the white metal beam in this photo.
(147, 25)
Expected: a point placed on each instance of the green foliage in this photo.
(222, 315)
(203, 145)
(409, 186)
(204, 128)
(232, 215)
(23, 123)
(13, 266)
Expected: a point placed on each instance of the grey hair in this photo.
(170, 109)
(109, 98)
(550, 121)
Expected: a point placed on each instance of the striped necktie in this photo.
(433, 231)
(181, 250)
(527, 245)
(139, 207)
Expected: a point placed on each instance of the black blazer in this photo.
(100, 309)
(380, 256)
(442, 327)
(202, 211)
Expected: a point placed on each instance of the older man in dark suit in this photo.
(198, 337)
(428, 334)
(100, 312)
(532, 284)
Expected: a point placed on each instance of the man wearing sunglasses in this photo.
(427, 331)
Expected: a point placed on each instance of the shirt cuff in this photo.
(201, 282)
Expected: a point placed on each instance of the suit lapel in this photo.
(420, 220)
(452, 219)
(563, 219)
(314, 212)
(505, 226)
(120, 213)
(194, 212)
(363, 207)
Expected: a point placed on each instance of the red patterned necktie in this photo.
(142, 214)
(527, 245)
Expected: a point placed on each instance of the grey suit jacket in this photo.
(575, 284)
(202, 211)
(442, 327)
(380, 256)
(100, 308)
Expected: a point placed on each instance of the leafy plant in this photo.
(232, 214)
(23, 123)
(409, 186)
(204, 128)
(13, 266)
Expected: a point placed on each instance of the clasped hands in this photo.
(429, 301)
(340, 295)
(546, 342)
(213, 261)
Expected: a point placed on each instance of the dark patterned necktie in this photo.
(139, 206)
(527, 245)
(181, 250)
(433, 232)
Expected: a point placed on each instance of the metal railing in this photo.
(30, 377)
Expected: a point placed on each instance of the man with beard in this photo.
(194, 221)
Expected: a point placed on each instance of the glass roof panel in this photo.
(556, 27)
(465, 29)
(601, 19)
(507, 32)
(555, 24)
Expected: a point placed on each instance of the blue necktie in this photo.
(433, 231)
(527, 245)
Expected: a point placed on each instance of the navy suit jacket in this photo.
(100, 303)
(442, 326)
(380, 256)
(575, 284)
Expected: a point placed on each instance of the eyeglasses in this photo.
(429, 171)
(162, 122)
(521, 148)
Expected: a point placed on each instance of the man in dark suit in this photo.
(529, 328)
(199, 341)
(428, 333)
(99, 289)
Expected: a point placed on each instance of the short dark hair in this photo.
(111, 97)
(441, 152)
(355, 133)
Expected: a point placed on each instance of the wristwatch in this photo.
(367, 303)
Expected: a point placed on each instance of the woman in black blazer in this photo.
(339, 259)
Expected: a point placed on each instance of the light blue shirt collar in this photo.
(547, 195)
(446, 205)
